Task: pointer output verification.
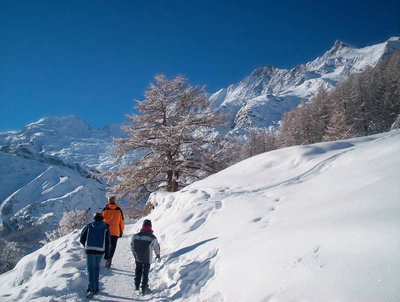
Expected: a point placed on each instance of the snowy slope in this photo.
(45, 192)
(45, 171)
(261, 99)
(306, 223)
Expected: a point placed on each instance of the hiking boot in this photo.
(146, 291)
(90, 294)
(108, 263)
(136, 287)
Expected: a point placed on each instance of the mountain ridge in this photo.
(261, 99)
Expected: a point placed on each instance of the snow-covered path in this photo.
(117, 283)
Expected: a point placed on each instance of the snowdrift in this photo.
(306, 223)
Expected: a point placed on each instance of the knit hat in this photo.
(147, 223)
(98, 217)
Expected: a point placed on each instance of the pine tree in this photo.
(174, 135)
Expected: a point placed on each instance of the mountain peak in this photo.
(59, 120)
(392, 44)
(261, 99)
(394, 39)
(66, 125)
(339, 43)
(259, 71)
(337, 47)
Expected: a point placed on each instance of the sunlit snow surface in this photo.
(307, 223)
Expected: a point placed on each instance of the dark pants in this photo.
(142, 270)
(114, 240)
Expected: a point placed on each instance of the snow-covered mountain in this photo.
(261, 99)
(66, 138)
(305, 223)
(45, 169)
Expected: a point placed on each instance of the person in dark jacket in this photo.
(96, 239)
(114, 217)
(144, 244)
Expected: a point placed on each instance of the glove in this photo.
(158, 258)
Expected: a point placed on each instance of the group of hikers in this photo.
(100, 238)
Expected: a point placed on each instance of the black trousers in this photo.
(114, 240)
(142, 274)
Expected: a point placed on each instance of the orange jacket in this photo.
(114, 217)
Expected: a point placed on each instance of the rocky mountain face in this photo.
(47, 167)
(261, 99)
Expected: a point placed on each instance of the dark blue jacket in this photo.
(96, 238)
(144, 244)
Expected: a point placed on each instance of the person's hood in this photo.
(98, 224)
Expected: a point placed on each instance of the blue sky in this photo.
(93, 59)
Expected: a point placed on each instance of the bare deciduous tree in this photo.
(174, 135)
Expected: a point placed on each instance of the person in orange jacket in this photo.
(114, 217)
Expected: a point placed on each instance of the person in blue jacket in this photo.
(96, 239)
(143, 245)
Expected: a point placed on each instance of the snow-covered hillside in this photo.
(261, 99)
(45, 171)
(45, 192)
(306, 223)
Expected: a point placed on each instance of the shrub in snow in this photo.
(10, 255)
(71, 220)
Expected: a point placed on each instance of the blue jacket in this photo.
(96, 238)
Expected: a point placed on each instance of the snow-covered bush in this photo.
(10, 255)
(71, 220)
